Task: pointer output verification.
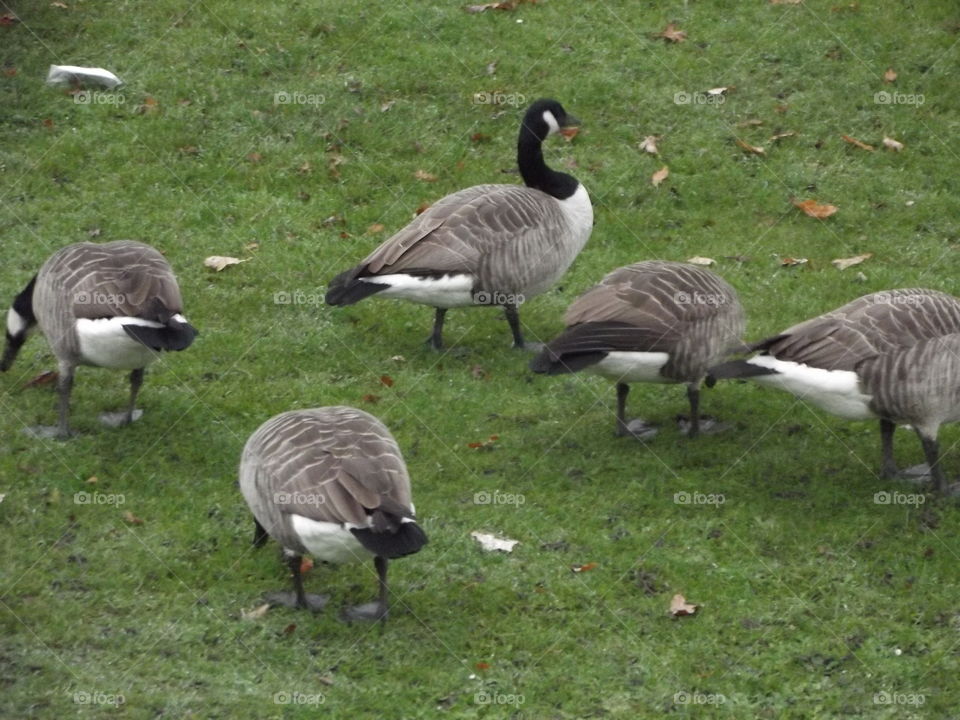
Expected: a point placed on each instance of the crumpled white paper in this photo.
(74, 74)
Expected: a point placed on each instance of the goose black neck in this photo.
(536, 173)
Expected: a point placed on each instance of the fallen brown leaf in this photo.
(680, 607)
(132, 519)
(649, 144)
(672, 33)
(305, 169)
(844, 263)
(386, 380)
(892, 144)
(659, 176)
(485, 445)
(45, 378)
(890, 75)
(479, 137)
(219, 262)
(746, 147)
(149, 105)
(372, 399)
(814, 210)
(375, 228)
(478, 372)
(422, 207)
(256, 613)
(753, 122)
(425, 176)
(857, 143)
(583, 568)
(387, 105)
(791, 261)
(781, 136)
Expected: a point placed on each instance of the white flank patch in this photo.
(836, 391)
(15, 323)
(331, 542)
(443, 292)
(551, 122)
(633, 366)
(105, 343)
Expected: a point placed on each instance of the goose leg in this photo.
(436, 337)
(297, 599)
(64, 388)
(635, 428)
(376, 610)
(888, 466)
(260, 535)
(125, 417)
(513, 318)
(931, 449)
(693, 395)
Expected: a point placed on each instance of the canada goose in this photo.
(892, 356)
(486, 245)
(653, 321)
(112, 305)
(330, 482)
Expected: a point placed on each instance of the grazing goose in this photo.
(892, 356)
(486, 245)
(653, 321)
(331, 483)
(113, 305)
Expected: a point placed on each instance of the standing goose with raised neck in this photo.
(331, 483)
(111, 305)
(892, 356)
(653, 321)
(487, 244)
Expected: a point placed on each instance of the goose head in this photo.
(545, 117)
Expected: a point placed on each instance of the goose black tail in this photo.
(405, 538)
(736, 370)
(347, 289)
(22, 309)
(174, 335)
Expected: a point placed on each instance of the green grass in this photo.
(813, 597)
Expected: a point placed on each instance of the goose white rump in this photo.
(443, 292)
(104, 342)
(836, 391)
(628, 367)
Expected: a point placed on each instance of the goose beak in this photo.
(570, 121)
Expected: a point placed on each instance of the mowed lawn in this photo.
(296, 137)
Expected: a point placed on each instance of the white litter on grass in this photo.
(492, 542)
(74, 74)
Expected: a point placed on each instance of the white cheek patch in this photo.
(551, 122)
(16, 325)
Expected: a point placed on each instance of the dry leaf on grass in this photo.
(857, 143)
(718, 91)
(785, 2)
(45, 378)
(425, 176)
(485, 445)
(583, 568)
(746, 147)
(422, 207)
(815, 210)
(256, 613)
(753, 122)
(375, 228)
(672, 33)
(492, 542)
(890, 75)
(386, 380)
(649, 144)
(844, 263)
(680, 607)
(792, 261)
(569, 133)
(372, 399)
(697, 260)
(891, 144)
(781, 136)
(387, 105)
(219, 262)
(659, 176)
(479, 373)
(503, 5)
(129, 517)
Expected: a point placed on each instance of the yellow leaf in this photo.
(679, 606)
(219, 262)
(750, 148)
(814, 210)
(649, 144)
(890, 75)
(844, 263)
(659, 176)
